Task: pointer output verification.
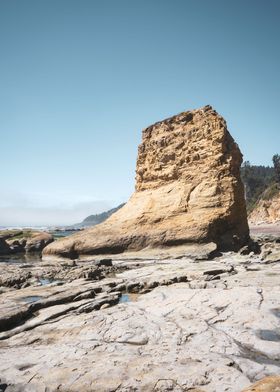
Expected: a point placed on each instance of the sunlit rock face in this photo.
(188, 190)
(266, 211)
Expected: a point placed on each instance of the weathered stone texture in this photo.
(266, 211)
(188, 190)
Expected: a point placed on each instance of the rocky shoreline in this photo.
(23, 241)
(150, 324)
(168, 294)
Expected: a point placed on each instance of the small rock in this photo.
(104, 263)
(105, 306)
(218, 271)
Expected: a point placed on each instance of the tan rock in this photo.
(38, 241)
(18, 241)
(188, 190)
(267, 384)
(266, 211)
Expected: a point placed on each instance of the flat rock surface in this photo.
(169, 325)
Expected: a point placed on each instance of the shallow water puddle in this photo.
(47, 281)
(276, 312)
(128, 297)
(21, 258)
(269, 335)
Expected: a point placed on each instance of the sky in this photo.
(80, 79)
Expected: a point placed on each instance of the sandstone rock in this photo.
(188, 190)
(38, 241)
(266, 211)
(15, 241)
(268, 384)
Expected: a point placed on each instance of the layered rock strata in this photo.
(188, 190)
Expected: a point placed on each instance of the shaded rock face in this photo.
(23, 241)
(4, 247)
(188, 190)
(37, 242)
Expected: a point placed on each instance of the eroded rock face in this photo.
(188, 190)
(266, 211)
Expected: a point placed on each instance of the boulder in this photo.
(188, 190)
(38, 241)
(12, 241)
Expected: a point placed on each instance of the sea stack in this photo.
(188, 190)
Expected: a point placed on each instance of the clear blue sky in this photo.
(79, 79)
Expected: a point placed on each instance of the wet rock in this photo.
(104, 263)
(3, 386)
(17, 246)
(219, 271)
(252, 246)
(4, 247)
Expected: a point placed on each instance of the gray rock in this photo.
(104, 263)
(4, 247)
(217, 335)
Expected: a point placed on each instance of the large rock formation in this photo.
(188, 190)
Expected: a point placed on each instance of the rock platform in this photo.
(187, 324)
